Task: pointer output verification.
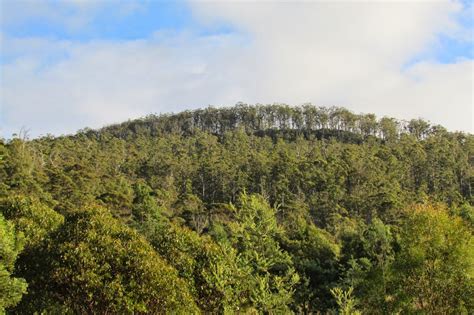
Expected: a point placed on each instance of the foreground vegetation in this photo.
(251, 209)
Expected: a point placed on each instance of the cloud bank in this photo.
(374, 57)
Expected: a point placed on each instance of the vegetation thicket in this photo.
(266, 209)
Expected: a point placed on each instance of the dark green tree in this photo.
(254, 234)
(94, 264)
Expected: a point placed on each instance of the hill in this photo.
(262, 119)
(258, 209)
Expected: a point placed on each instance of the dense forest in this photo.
(265, 209)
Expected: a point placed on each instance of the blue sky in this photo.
(142, 19)
(66, 65)
(104, 20)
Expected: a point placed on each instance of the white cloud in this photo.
(351, 54)
(105, 82)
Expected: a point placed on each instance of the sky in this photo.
(67, 65)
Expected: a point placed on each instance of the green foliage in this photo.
(345, 301)
(368, 255)
(21, 165)
(193, 210)
(315, 255)
(254, 234)
(32, 217)
(11, 287)
(3, 172)
(466, 212)
(211, 271)
(94, 264)
(326, 189)
(434, 268)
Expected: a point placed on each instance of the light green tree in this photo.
(32, 217)
(254, 234)
(345, 301)
(434, 269)
(11, 243)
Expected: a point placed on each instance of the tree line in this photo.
(258, 118)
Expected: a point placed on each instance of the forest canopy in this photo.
(252, 209)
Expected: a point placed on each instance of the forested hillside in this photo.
(250, 209)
